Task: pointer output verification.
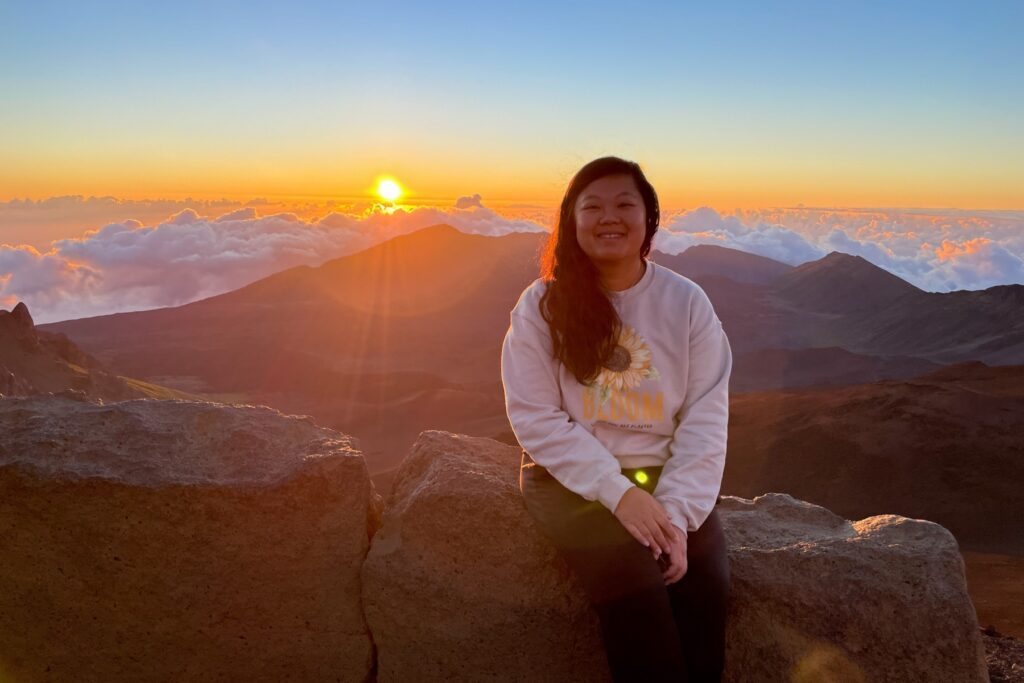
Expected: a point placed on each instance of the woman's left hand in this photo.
(677, 559)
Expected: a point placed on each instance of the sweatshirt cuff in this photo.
(612, 488)
(677, 519)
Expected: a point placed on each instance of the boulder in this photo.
(818, 598)
(174, 540)
(459, 585)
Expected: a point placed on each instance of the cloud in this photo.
(38, 223)
(46, 280)
(467, 202)
(707, 226)
(189, 255)
(936, 250)
(973, 264)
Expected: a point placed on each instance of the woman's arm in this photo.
(565, 448)
(692, 478)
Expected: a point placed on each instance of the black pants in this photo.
(652, 632)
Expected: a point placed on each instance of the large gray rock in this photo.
(819, 598)
(173, 540)
(460, 585)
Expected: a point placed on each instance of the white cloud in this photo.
(707, 226)
(188, 256)
(936, 250)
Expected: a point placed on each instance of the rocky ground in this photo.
(1005, 656)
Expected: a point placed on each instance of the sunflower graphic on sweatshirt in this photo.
(627, 366)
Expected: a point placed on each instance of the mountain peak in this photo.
(705, 260)
(838, 255)
(841, 283)
(21, 314)
(17, 324)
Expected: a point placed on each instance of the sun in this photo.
(389, 189)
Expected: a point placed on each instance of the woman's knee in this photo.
(618, 572)
(707, 559)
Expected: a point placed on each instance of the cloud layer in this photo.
(938, 251)
(208, 248)
(129, 266)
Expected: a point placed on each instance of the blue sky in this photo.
(924, 95)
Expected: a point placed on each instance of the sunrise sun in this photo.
(389, 189)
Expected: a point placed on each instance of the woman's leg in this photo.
(621, 577)
(700, 601)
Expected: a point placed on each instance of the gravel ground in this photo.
(1005, 656)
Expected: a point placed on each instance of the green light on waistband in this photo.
(641, 477)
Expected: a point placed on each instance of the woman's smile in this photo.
(611, 221)
(611, 225)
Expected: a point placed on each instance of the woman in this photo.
(616, 374)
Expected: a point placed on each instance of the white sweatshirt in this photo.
(669, 406)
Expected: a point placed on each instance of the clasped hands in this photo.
(645, 518)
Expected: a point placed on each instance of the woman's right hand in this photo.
(645, 518)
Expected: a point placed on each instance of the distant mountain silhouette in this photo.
(840, 283)
(417, 274)
(703, 260)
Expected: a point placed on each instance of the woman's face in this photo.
(611, 220)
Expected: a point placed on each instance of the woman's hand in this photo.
(677, 566)
(645, 518)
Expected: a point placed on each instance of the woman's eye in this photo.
(626, 204)
(588, 208)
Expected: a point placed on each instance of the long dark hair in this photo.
(583, 322)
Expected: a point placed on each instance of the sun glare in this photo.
(389, 190)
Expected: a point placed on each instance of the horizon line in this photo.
(449, 202)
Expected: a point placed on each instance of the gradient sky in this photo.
(725, 104)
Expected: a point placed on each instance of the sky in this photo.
(727, 104)
(795, 117)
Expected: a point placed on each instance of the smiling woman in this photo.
(616, 374)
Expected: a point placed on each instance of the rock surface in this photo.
(174, 540)
(459, 585)
(816, 597)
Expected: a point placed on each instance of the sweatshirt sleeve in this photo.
(692, 477)
(573, 456)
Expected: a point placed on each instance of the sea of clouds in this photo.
(199, 249)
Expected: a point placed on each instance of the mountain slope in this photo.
(37, 362)
(840, 283)
(703, 260)
(944, 446)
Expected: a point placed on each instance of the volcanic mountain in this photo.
(707, 260)
(840, 283)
